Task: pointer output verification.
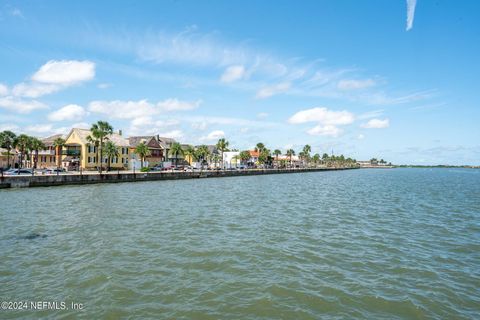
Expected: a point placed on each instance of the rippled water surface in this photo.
(363, 244)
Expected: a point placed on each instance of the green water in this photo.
(359, 244)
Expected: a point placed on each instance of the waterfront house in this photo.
(156, 151)
(5, 159)
(78, 152)
(165, 144)
(48, 157)
(231, 159)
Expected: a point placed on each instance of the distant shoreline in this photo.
(436, 166)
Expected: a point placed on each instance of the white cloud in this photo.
(323, 116)
(200, 125)
(233, 73)
(174, 134)
(214, 135)
(355, 84)
(104, 85)
(262, 115)
(21, 106)
(376, 124)
(55, 76)
(139, 109)
(410, 13)
(371, 114)
(327, 130)
(39, 128)
(68, 112)
(269, 91)
(360, 137)
(17, 13)
(81, 125)
(3, 90)
(65, 72)
(148, 126)
(45, 130)
(9, 126)
(178, 105)
(34, 89)
(123, 109)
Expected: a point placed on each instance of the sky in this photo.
(396, 80)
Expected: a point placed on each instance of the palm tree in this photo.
(36, 145)
(58, 144)
(290, 154)
(245, 156)
(142, 151)
(259, 147)
(111, 151)
(175, 150)
(7, 141)
(190, 152)
(222, 146)
(316, 158)
(235, 158)
(277, 152)
(202, 153)
(100, 131)
(306, 152)
(22, 143)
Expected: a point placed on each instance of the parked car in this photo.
(14, 172)
(54, 170)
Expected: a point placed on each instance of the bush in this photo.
(145, 169)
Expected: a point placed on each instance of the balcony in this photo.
(71, 152)
(46, 152)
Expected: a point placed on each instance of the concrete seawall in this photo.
(75, 179)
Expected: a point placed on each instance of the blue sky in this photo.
(345, 76)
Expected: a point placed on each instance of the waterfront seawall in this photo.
(75, 179)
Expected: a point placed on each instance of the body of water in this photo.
(357, 244)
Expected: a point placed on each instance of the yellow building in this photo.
(78, 152)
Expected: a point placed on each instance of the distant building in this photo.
(231, 159)
(5, 160)
(48, 158)
(78, 152)
(156, 151)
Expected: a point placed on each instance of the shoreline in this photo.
(7, 182)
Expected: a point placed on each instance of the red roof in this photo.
(254, 154)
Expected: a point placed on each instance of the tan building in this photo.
(48, 158)
(5, 160)
(156, 150)
(78, 152)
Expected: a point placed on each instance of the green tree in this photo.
(142, 151)
(175, 150)
(7, 141)
(101, 130)
(316, 158)
(36, 145)
(22, 143)
(306, 152)
(259, 147)
(189, 151)
(111, 151)
(58, 144)
(290, 154)
(202, 154)
(277, 152)
(245, 156)
(222, 146)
